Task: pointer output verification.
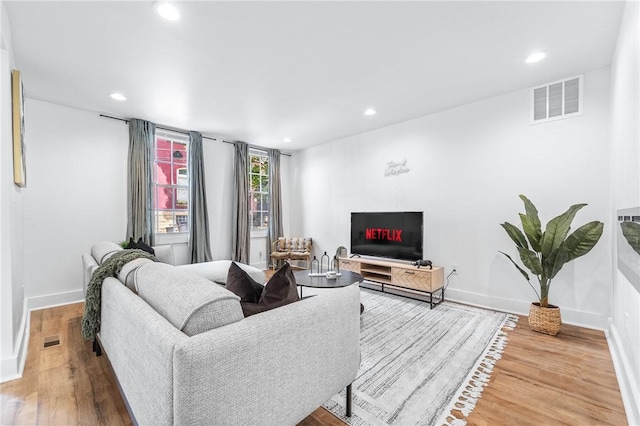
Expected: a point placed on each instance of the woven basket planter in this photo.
(545, 320)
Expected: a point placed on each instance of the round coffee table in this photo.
(346, 278)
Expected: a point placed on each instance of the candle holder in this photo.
(315, 263)
(335, 264)
(322, 259)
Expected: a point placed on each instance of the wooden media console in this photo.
(403, 276)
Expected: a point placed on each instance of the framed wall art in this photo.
(19, 151)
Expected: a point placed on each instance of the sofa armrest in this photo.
(89, 265)
(139, 343)
(273, 368)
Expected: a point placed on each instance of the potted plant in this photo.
(544, 253)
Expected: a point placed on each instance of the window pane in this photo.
(255, 164)
(179, 154)
(163, 173)
(164, 198)
(255, 183)
(255, 220)
(182, 221)
(164, 222)
(265, 184)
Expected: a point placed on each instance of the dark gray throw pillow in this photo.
(242, 285)
(280, 290)
(140, 245)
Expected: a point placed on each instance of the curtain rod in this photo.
(185, 132)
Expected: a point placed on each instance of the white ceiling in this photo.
(262, 71)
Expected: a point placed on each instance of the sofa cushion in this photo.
(280, 290)
(189, 302)
(164, 254)
(240, 283)
(218, 270)
(127, 275)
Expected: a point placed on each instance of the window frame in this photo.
(176, 138)
(263, 155)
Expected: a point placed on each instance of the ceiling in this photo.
(263, 71)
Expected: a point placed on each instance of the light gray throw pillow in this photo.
(189, 302)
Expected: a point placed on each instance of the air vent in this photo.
(557, 100)
(51, 341)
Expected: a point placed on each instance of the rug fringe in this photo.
(468, 395)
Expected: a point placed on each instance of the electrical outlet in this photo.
(454, 268)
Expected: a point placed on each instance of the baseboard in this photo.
(12, 368)
(569, 316)
(57, 299)
(628, 387)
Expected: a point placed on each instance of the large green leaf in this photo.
(556, 261)
(583, 239)
(631, 232)
(557, 229)
(522, 271)
(515, 234)
(533, 233)
(532, 214)
(530, 260)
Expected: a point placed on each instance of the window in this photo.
(170, 183)
(259, 191)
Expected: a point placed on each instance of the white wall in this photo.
(218, 160)
(625, 190)
(467, 167)
(76, 195)
(13, 319)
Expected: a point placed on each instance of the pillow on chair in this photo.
(280, 290)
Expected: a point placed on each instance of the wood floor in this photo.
(540, 380)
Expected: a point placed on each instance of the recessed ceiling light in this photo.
(370, 111)
(287, 140)
(166, 10)
(536, 57)
(118, 96)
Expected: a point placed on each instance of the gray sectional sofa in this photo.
(183, 353)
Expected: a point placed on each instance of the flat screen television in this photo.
(396, 235)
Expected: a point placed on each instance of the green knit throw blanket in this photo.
(110, 268)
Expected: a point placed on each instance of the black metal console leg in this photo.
(349, 400)
(96, 347)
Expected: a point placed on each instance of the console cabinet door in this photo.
(349, 265)
(414, 279)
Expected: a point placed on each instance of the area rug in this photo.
(422, 366)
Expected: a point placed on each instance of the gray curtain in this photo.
(140, 181)
(240, 241)
(275, 199)
(199, 250)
